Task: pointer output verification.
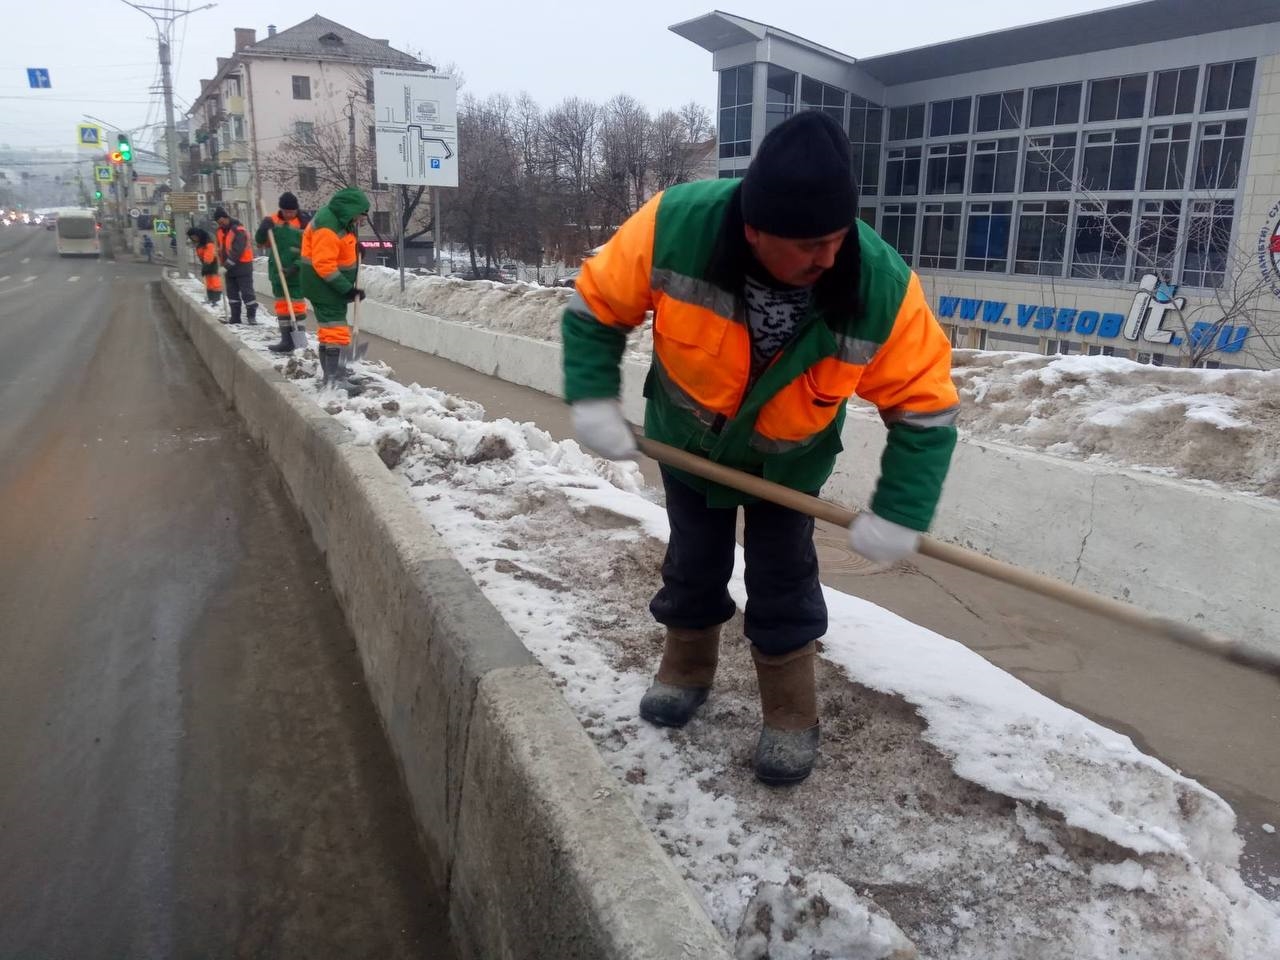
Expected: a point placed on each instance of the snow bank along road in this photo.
(955, 813)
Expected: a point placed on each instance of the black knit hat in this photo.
(219, 213)
(288, 201)
(800, 183)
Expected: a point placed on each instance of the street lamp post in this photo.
(164, 18)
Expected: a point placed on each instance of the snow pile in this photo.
(521, 308)
(954, 812)
(1221, 426)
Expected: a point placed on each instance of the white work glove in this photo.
(600, 427)
(881, 540)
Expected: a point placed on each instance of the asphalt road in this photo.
(190, 765)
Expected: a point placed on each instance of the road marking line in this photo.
(29, 279)
(25, 260)
(4, 278)
(72, 279)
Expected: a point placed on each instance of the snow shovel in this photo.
(296, 333)
(1247, 655)
(357, 350)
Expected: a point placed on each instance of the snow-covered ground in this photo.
(954, 813)
(1212, 426)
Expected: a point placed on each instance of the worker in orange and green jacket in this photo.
(286, 225)
(328, 268)
(773, 305)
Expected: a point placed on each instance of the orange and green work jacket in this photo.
(785, 425)
(329, 256)
(207, 254)
(288, 236)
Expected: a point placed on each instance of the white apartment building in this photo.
(284, 113)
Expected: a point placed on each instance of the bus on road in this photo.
(77, 232)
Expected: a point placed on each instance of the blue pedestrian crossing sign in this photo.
(38, 77)
(161, 226)
(88, 135)
(102, 173)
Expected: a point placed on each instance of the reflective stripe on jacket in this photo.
(786, 425)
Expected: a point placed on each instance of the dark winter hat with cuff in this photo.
(288, 201)
(800, 183)
(219, 214)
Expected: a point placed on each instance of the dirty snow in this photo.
(1212, 426)
(954, 811)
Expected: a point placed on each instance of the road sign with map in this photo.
(416, 128)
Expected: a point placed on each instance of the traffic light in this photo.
(97, 194)
(125, 150)
(117, 157)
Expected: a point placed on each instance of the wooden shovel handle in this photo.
(1233, 650)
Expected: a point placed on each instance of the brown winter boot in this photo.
(684, 676)
(788, 742)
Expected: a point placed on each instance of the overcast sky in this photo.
(101, 55)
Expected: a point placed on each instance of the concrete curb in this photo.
(1118, 532)
(539, 851)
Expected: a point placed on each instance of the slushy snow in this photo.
(954, 812)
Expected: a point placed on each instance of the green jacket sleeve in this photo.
(592, 354)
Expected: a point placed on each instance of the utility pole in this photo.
(164, 17)
(351, 141)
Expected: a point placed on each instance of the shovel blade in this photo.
(360, 350)
(298, 336)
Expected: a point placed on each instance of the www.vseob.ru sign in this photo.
(1153, 305)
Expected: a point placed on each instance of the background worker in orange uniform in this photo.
(236, 253)
(207, 254)
(328, 269)
(773, 304)
(287, 225)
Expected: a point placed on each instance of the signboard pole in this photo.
(437, 247)
(400, 205)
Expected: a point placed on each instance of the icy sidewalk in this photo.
(981, 819)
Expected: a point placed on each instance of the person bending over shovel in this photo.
(773, 305)
(329, 263)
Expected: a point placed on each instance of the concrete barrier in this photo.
(1174, 548)
(533, 838)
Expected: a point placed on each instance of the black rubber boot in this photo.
(788, 744)
(335, 374)
(253, 312)
(286, 338)
(235, 312)
(214, 298)
(684, 676)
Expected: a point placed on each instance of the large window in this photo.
(307, 178)
(735, 111)
(381, 222)
(1167, 153)
(1220, 156)
(986, 243)
(999, 111)
(1050, 163)
(995, 165)
(1208, 243)
(1229, 86)
(1042, 237)
(780, 99)
(949, 118)
(301, 88)
(940, 236)
(1052, 106)
(816, 95)
(305, 131)
(906, 123)
(865, 136)
(945, 171)
(1119, 98)
(898, 228)
(1156, 244)
(902, 172)
(1102, 239)
(1110, 159)
(1175, 92)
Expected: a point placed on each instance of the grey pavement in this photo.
(1211, 720)
(190, 765)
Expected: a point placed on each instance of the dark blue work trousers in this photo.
(785, 608)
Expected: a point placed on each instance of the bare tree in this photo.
(571, 131)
